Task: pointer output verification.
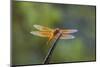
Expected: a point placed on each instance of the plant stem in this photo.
(47, 58)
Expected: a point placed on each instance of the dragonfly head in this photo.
(57, 29)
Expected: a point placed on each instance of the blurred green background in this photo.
(30, 49)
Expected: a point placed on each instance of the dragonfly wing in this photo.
(67, 37)
(41, 34)
(69, 31)
(42, 28)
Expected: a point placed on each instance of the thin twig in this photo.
(47, 58)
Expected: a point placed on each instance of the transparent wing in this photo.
(42, 28)
(69, 31)
(67, 37)
(40, 33)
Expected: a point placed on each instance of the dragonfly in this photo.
(44, 31)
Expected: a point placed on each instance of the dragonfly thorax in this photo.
(57, 30)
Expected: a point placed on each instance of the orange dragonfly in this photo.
(51, 33)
